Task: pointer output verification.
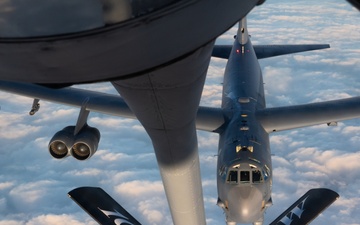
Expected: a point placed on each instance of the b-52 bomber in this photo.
(244, 169)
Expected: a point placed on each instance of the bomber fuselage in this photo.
(244, 172)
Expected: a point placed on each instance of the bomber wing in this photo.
(267, 51)
(166, 103)
(101, 206)
(307, 208)
(290, 117)
(208, 118)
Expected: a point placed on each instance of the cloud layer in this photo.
(33, 186)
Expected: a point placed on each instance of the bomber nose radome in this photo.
(245, 204)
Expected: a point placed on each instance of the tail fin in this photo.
(101, 206)
(267, 51)
(307, 208)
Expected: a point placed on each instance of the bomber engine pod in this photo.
(81, 146)
(86, 143)
(62, 141)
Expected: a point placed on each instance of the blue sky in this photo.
(33, 186)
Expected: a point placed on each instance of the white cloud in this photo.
(334, 163)
(281, 162)
(10, 222)
(31, 192)
(17, 131)
(352, 130)
(328, 95)
(18, 99)
(59, 114)
(139, 188)
(152, 215)
(12, 126)
(297, 20)
(111, 122)
(110, 156)
(207, 140)
(348, 205)
(3, 205)
(280, 142)
(7, 119)
(85, 172)
(122, 176)
(52, 219)
(307, 58)
(284, 176)
(344, 164)
(277, 80)
(139, 128)
(211, 96)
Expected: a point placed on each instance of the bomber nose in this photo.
(245, 204)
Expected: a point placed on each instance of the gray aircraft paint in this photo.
(125, 48)
(235, 98)
(243, 144)
(165, 102)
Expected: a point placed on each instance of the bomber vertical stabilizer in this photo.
(242, 34)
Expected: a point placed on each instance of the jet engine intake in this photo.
(61, 142)
(86, 143)
(81, 146)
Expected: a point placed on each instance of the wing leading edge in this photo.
(208, 119)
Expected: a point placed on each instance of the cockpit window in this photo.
(253, 176)
(256, 176)
(233, 177)
(266, 172)
(244, 176)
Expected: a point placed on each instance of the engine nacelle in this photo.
(86, 143)
(62, 142)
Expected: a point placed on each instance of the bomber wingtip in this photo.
(311, 204)
(101, 206)
(355, 3)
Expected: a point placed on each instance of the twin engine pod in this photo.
(81, 146)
